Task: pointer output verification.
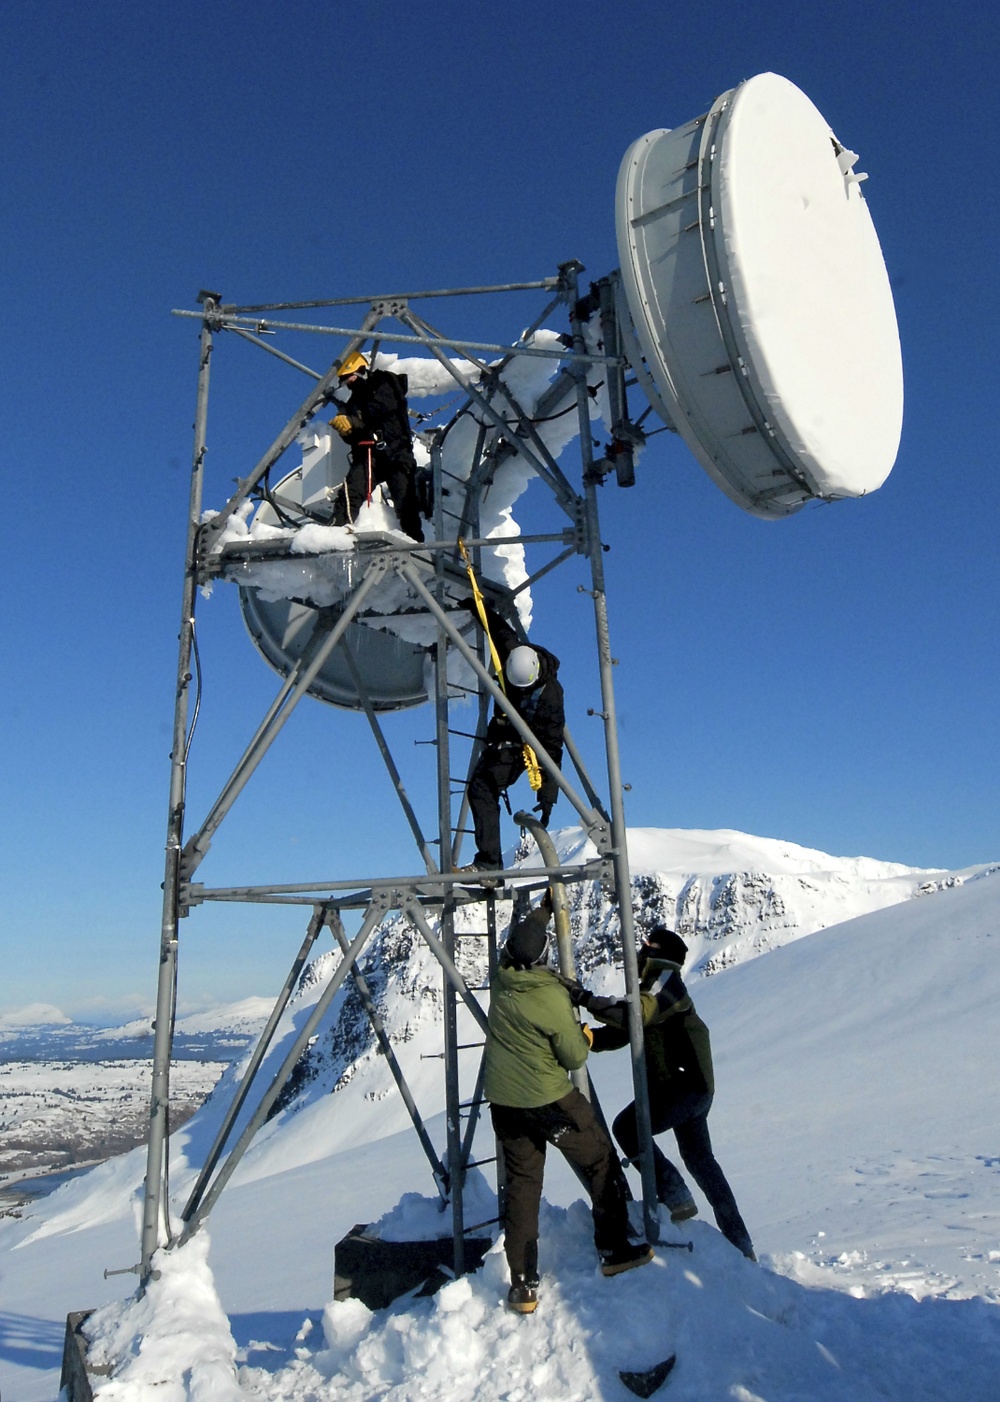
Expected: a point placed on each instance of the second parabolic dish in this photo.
(763, 322)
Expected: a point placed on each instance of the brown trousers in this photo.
(572, 1127)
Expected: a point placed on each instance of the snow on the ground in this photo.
(173, 1342)
(857, 1118)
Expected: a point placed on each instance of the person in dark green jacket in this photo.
(533, 1043)
(681, 1083)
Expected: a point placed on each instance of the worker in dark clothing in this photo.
(374, 422)
(533, 688)
(681, 1083)
(533, 1042)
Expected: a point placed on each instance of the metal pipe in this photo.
(585, 780)
(225, 322)
(452, 1089)
(317, 396)
(438, 1169)
(387, 758)
(374, 914)
(253, 1066)
(545, 465)
(560, 559)
(546, 284)
(273, 350)
(163, 1035)
(440, 881)
(264, 739)
(623, 880)
(591, 820)
(415, 914)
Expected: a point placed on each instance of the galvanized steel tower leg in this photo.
(623, 879)
(165, 995)
(452, 1089)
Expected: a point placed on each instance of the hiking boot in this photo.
(485, 876)
(522, 1297)
(684, 1210)
(625, 1257)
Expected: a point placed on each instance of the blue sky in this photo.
(831, 679)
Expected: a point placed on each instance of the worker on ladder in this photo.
(528, 675)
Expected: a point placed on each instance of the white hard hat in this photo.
(522, 666)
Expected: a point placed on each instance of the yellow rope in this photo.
(531, 765)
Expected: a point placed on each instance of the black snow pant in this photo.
(399, 478)
(499, 766)
(687, 1116)
(571, 1125)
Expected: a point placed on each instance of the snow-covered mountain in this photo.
(732, 896)
(855, 1118)
(216, 1034)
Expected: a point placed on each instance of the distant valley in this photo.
(72, 1095)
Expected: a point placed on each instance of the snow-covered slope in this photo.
(732, 896)
(855, 1117)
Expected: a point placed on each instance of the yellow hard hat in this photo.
(351, 364)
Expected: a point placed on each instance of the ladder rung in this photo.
(489, 1222)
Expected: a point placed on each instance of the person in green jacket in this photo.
(534, 1041)
(681, 1083)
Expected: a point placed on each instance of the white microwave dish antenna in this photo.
(757, 302)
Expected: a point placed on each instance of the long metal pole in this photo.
(438, 1169)
(313, 401)
(375, 912)
(264, 738)
(227, 322)
(249, 1075)
(592, 821)
(452, 1090)
(415, 913)
(387, 757)
(619, 853)
(165, 1000)
(546, 284)
(541, 461)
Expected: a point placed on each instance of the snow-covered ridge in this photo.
(732, 896)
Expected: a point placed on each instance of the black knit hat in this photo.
(527, 942)
(661, 943)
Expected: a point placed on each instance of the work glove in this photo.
(577, 992)
(342, 424)
(597, 1005)
(587, 1033)
(544, 811)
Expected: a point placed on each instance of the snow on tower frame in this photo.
(775, 418)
